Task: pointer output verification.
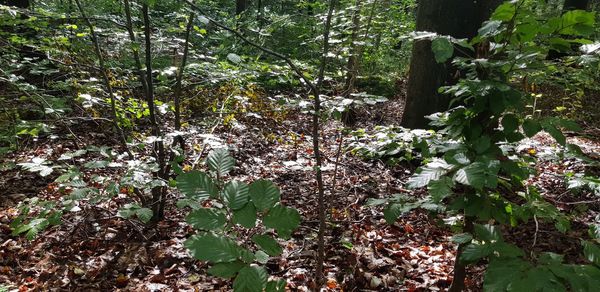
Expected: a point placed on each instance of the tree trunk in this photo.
(16, 3)
(575, 5)
(240, 6)
(460, 19)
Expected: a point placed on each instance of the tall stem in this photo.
(134, 48)
(316, 134)
(178, 138)
(113, 103)
(158, 202)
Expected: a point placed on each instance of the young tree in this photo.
(459, 19)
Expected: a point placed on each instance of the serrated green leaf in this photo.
(502, 272)
(268, 244)
(144, 214)
(236, 194)
(226, 270)
(196, 185)
(264, 194)
(213, 248)
(261, 257)
(206, 219)
(245, 216)
(283, 219)
(472, 175)
(250, 279)
(430, 172)
(440, 189)
(220, 161)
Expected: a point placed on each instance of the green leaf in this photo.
(577, 22)
(261, 257)
(502, 272)
(490, 28)
(510, 123)
(471, 175)
(440, 189)
(504, 12)
(555, 133)
(531, 127)
(32, 228)
(212, 248)
(442, 49)
(488, 233)
(283, 219)
(245, 216)
(196, 185)
(462, 238)
(276, 286)
(144, 214)
(392, 211)
(591, 252)
(264, 194)
(474, 252)
(226, 270)
(250, 279)
(268, 244)
(220, 161)
(236, 194)
(430, 172)
(206, 219)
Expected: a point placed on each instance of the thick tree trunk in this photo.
(457, 18)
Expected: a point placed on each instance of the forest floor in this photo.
(95, 250)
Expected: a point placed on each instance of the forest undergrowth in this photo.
(96, 249)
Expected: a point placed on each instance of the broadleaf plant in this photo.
(482, 178)
(234, 205)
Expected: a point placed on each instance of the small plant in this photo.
(222, 210)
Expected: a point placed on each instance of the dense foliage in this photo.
(137, 93)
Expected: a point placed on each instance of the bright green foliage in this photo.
(218, 241)
(491, 118)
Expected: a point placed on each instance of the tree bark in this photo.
(17, 3)
(459, 19)
(240, 6)
(575, 5)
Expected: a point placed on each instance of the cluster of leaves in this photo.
(231, 205)
(392, 144)
(478, 171)
(76, 185)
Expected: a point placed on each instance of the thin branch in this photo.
(103, 69)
